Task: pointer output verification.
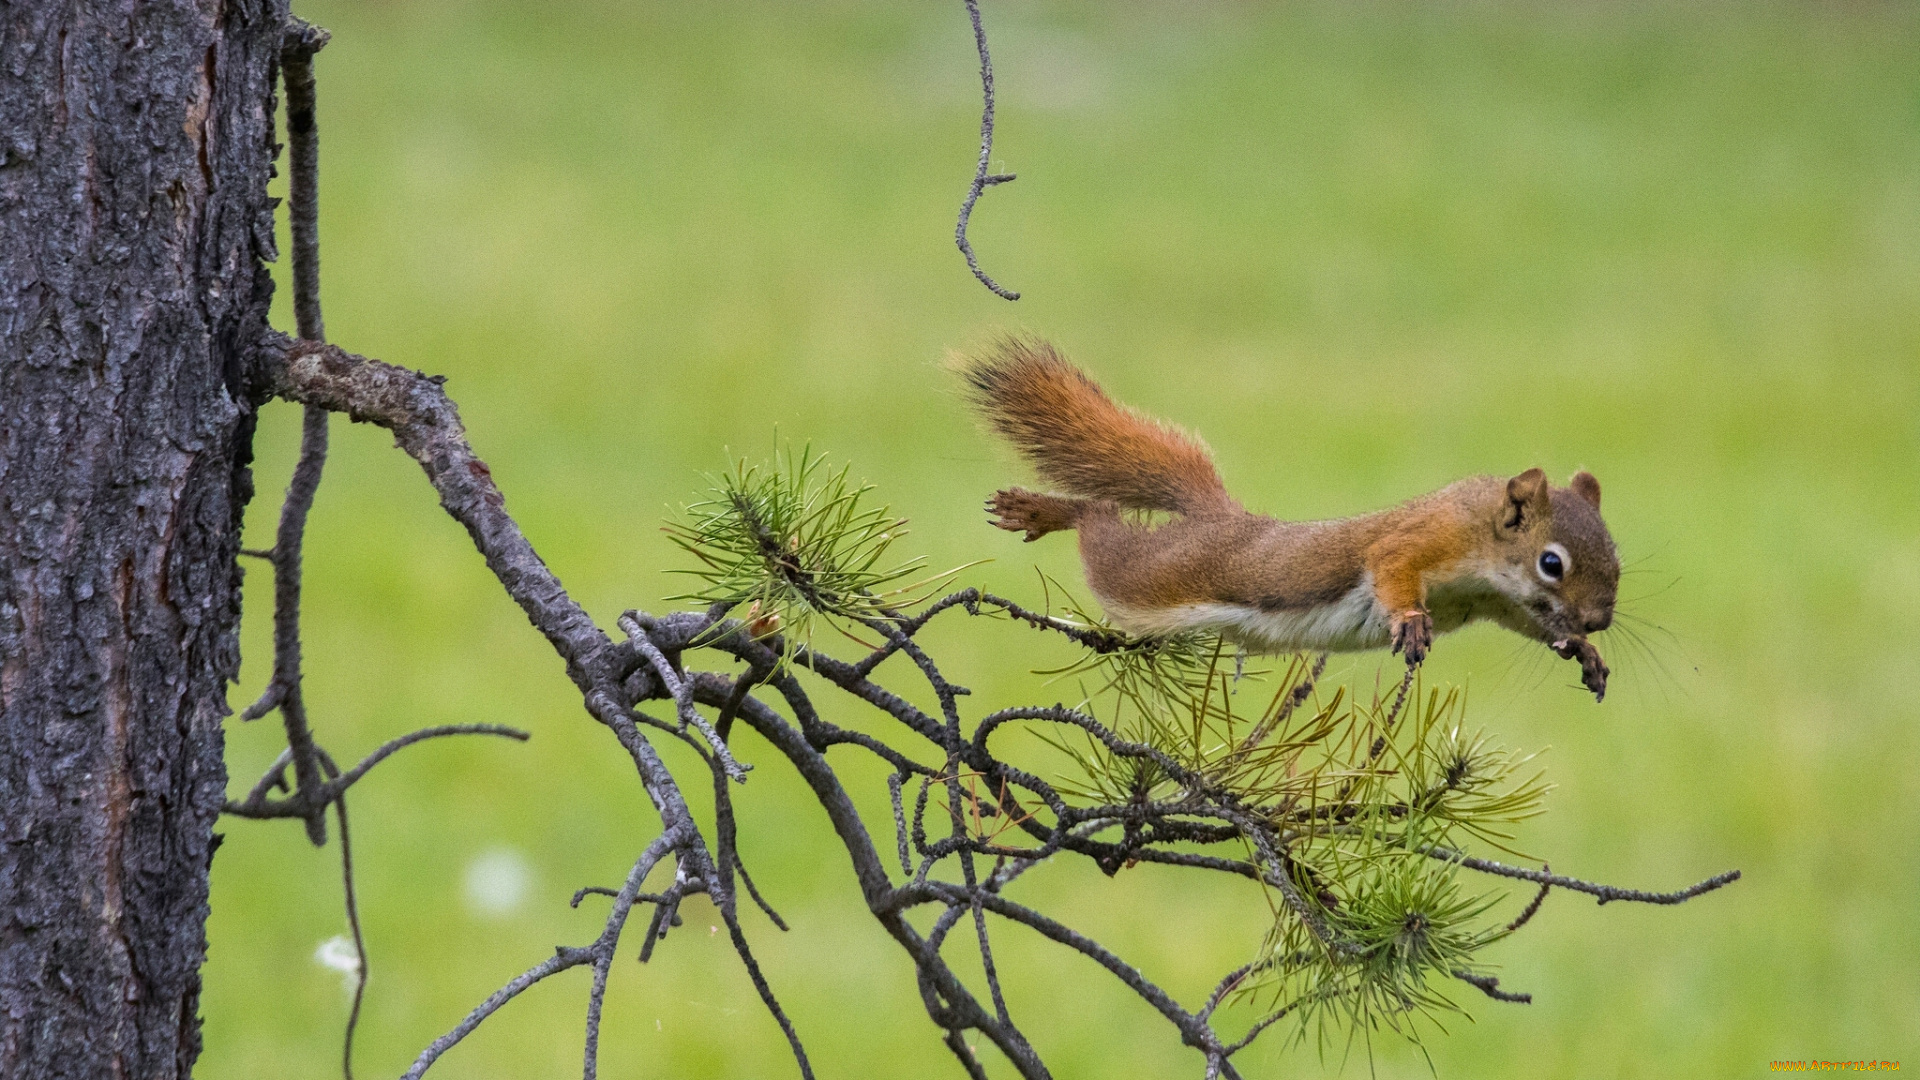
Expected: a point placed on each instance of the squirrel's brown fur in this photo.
(1482, 548)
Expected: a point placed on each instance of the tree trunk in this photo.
(136, 141)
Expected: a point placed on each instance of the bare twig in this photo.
(304, 804)
(352, 902)
(957, 1043)
(283, 690)
(754, 892)
(274, 778)
(1381, 740)
(1228, 984)
(1533, 906)
(723, 723)
(683, 699)
(607, 945)
(982, 179)
(1604, 893)
(1490, 986)
(301, 40)
(601, 890)
(1295, 698)
(739, 938)
(895, 782)
(1253, 1033)
(562, 959)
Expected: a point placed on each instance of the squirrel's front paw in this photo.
(1413, 635)
(1593, 670)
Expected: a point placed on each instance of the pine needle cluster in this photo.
(793, 544)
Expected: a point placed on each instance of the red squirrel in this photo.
(1531, 557)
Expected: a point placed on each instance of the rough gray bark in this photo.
(135, 146)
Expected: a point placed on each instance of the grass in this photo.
(1365, 249)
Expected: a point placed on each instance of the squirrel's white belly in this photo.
(1352, 623)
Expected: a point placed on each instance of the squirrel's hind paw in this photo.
(1020, 510)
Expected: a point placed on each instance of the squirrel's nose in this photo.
(1597, 623)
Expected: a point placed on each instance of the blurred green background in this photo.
(1365, 249)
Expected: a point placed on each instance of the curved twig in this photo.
(304, 804)
(1533, 906)
(683, 699)
(563, 958)
(1490, 986)
(982, 180)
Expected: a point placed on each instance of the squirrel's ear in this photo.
(1585, 486)
(1526, 499)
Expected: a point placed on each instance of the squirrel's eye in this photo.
(1552, 565)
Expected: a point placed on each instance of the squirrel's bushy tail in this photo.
(1080, 440)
